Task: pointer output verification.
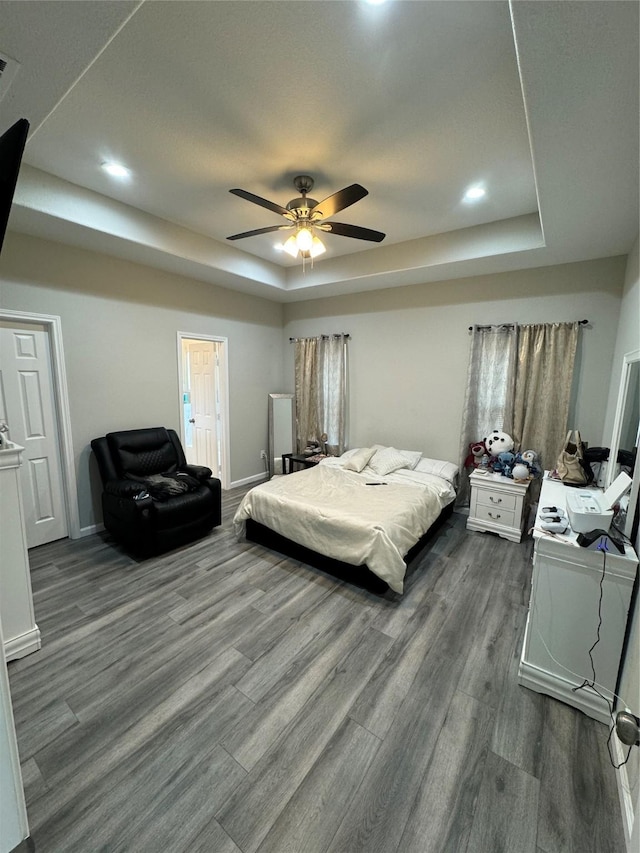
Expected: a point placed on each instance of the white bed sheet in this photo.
(335, 512)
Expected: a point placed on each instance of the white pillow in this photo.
(388, 460)
(358, 459)
(447, 470)
(348, 454)
(413, 457)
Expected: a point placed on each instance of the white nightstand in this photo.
(498, 505)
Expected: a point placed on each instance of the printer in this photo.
(590, 509)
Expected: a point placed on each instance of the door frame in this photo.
(225, 456)
(62, 413)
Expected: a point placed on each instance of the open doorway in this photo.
(204, 404)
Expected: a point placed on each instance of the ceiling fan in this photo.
(304, 215)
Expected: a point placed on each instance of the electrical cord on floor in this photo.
(586, 682)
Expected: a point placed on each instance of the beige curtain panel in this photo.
(307, 378)
(519, 380)
(488, 396)
(544, 376)
(321, 391)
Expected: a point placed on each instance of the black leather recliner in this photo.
(139, 514)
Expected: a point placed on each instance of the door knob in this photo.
(192, 420)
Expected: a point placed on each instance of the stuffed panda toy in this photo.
(498, 442)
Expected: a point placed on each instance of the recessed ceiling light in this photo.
(475, 193)
(116, 170)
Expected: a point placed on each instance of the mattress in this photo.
(358, 518)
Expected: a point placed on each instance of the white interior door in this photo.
(27, 405)
(202, 409)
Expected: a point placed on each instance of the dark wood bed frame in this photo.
(359, 575)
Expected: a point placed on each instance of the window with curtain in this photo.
(519, 380)
(321, 391)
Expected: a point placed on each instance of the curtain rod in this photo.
(338, 335)
(511, 325)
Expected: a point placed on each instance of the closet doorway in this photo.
(204, 405)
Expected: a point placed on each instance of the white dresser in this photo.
(497, 505)
(21, 634)
(562, 624)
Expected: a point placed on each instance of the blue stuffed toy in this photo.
(503, 464)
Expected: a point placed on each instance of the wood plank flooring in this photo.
(224, 699)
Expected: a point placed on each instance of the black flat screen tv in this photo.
(12, 144)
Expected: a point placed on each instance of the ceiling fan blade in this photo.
(263, 202)
(338, 201)
(354, 231)
(257, 231)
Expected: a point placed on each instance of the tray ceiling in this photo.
(417, 101)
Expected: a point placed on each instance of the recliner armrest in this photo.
(198, 472)
(124, 488)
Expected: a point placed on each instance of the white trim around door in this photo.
(53, 325)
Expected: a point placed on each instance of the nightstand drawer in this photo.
(497, 515)
(498, 500)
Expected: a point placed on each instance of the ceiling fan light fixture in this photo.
(311, 247)
(317, 247)
(306, 216)
(304, 239)
(291, 247)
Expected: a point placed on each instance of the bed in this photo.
(360, 516)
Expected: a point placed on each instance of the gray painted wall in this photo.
(409, 348)
(408, 353)
(119, 324)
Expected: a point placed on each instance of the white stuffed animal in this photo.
(520, 471)
(498, 442)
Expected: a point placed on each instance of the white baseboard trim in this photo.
(624, 790)
(27, 845)
(255, 478)
(91, 529)
(552, 684)
(23, 644)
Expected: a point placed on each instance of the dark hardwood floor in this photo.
(221, 698)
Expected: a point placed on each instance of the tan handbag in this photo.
(569, 464)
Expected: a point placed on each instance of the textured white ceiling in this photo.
(414, 100)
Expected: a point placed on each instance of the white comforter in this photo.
(335, 512)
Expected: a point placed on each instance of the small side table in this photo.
(497, 505)
(299, 460)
